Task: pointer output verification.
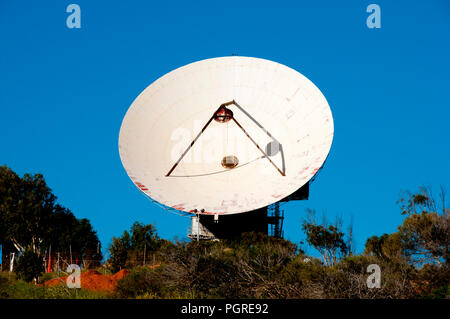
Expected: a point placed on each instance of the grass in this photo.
(11, 288)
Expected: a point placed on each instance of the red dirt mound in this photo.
(93, 280)
(121, 274)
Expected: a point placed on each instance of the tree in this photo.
(143, 236)
(31, 219)
(130, 249)
(387, 247)
(85, 241)
(329, 240)
(9, 186)
(30, 266)
(374, 245)
(119, 251)
(425, 233)
(26, 205)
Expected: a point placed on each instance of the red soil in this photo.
(93, 280)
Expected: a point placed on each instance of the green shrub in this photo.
(4, 286)
(29, 266)
(48, 276)
(141, 281)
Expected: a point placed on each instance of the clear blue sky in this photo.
(64, 92)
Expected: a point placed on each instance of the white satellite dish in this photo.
(226, 135)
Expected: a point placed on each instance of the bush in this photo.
(30, 266)
(217, 277)
(48, 276)
(433, 281)
(140, 281)
(4, 287)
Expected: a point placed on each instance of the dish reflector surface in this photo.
(277, 114)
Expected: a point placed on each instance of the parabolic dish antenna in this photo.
(226, 135)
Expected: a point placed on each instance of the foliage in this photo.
(385, 247)
(119, 251)
(26, 206)
(259, 266)
(374, 246)
(32, 220)
(329, 240)
(19, 289)
(137, 247)
(142, 280)
(425, 233)
(413, 260)
(433, 281)
(48, 276)
(30, 266)
(144, 235)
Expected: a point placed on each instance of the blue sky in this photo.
(64, 92)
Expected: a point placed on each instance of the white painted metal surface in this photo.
(270, 97)
(198, 230)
